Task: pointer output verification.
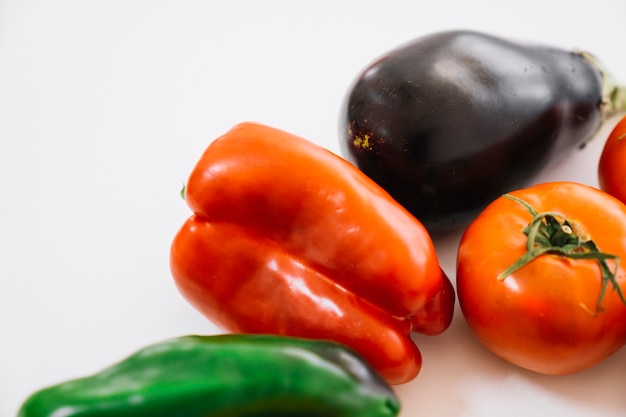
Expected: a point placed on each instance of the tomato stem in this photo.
(549, 235)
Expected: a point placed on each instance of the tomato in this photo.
(612, 166)
(539, 280)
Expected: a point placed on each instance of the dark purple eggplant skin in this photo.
(452, 120)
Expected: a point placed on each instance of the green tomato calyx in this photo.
(552, 233)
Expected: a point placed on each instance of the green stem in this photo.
(613, 93)
(617, 98)
(549, 235)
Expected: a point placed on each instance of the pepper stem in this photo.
(552, 233)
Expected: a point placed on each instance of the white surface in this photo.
(106, 105)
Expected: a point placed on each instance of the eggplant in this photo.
(452, 120)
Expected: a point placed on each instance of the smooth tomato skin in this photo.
(612, 165)
(543, 316)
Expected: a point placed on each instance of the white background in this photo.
(106, 105)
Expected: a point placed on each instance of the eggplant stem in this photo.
(617, 100)
(613, 93)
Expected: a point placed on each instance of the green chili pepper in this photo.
(224, 375)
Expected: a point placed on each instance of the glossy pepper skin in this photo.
(224, 375)
(288, 238)
(452, 120)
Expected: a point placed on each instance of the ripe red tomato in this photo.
(563, 310)
(612, 166)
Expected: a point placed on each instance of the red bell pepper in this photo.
(288, 238)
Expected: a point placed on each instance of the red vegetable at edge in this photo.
(288, 238)
(612, 164)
